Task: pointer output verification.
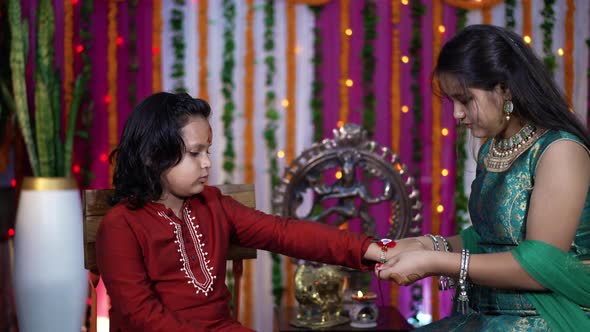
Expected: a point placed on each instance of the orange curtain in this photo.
(112, 79)
(203, 48)
(527, 19)
(156, 42)
(395, 105)
(486, 12)
(290, 122)
(471, 5)
(248, 147)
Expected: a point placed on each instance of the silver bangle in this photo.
(463, 298)
(445, 243)
(435, 240)
(444, 282)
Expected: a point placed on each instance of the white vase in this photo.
(49, 276)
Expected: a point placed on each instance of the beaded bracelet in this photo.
(463, 298)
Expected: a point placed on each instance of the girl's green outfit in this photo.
(498, 207)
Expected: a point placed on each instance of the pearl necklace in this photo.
(503, 152)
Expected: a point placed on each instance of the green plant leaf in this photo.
(18, 48)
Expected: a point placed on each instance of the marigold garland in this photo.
(156, 44)
(509, 6)
(248, 145)
(547, 27)
(368, 66)
(203, 27)
(527, 25)
(568, 58)
(344, 59)
(270, 138)
(227, 73)
(291, 79)
(68, 80)
(112, 78)
(461, 200)
(291, 122)
(437, 19)
(486, 13)
(272, 114)
(316, 104)
(178, 45)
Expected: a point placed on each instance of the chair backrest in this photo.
(95, 206)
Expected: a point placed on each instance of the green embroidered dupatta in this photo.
(566, 277)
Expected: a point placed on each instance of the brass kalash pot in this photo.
(319, 290)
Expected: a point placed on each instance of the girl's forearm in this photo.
(500, 270)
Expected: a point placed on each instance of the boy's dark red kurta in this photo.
(165, 273)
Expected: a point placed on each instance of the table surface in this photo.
(390, 319)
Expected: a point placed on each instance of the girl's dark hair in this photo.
(483, 56)
(150, 144)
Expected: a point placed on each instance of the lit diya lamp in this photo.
(364, 312)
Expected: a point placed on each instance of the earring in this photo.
(508, 108)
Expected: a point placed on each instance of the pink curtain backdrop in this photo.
(328, 23)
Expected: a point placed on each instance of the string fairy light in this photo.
(527, 39)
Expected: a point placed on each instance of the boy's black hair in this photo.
(150, 144)
(483, 56)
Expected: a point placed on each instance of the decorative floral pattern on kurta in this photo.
(204, 269)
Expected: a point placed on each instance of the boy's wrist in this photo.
(384, 246)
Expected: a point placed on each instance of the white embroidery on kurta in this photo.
(207, 285)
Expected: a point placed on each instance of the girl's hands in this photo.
(410, 244)
(408, 266)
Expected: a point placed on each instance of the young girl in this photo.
(530, 200)
(162, 248)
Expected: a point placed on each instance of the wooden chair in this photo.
(95, 206)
